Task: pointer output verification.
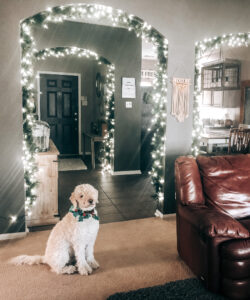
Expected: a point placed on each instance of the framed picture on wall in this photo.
(128, 88)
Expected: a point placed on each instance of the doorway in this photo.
(221, 68)
(59, 108)
(77, 15)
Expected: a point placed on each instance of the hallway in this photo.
(121, 198)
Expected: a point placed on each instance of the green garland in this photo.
(30, 53)
(232, 40)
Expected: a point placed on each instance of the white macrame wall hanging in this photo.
(180, 98)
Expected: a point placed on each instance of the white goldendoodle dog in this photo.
(73, 237)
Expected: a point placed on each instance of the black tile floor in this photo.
(123, 197)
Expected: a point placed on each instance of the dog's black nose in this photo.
(90, 201)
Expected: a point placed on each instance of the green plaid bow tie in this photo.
(81, 215)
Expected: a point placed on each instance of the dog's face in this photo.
(85, 197)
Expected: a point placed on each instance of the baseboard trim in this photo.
(134, 172)
(42, 222)
(160, 215)
(10, 236)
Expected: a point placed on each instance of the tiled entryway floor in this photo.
(120, 197)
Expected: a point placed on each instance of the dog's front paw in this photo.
(85, 270)
(93, 263)
(69, 269)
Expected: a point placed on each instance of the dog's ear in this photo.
(72, 198)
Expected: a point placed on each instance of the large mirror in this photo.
(224, 101)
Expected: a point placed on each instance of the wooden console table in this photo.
(45, 211)
(93, 139)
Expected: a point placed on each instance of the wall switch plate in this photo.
(128, 104)
(84, 100)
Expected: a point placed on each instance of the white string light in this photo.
(13, 219)
(29, 53)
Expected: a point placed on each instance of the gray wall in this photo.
(183, 22)
(123, 49)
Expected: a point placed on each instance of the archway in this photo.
(60, 52)
(116, 18)
(231, 40)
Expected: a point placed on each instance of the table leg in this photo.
(92, 153)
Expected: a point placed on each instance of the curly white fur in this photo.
(70, 238)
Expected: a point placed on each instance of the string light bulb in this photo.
(13, 219)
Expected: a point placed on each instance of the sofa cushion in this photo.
(226, 182)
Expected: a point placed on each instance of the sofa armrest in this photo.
(188, 185)
(212, 223)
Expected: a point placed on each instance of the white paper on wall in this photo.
(128, 88)
(180, 98)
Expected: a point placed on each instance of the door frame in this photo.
(244, 85)
(79, 101)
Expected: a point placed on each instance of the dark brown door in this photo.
(59, 108)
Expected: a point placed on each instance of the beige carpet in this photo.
(132, 255)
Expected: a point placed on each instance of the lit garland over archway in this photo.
(232, 40)
(159, 99)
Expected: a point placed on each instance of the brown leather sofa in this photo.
(213, 221)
